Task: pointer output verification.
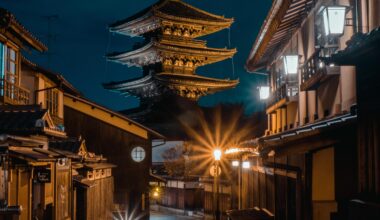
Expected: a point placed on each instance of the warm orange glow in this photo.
(213, 133)
(235, 163)
(155, 194)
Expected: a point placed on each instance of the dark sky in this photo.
(79, 39)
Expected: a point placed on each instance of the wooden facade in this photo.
(115, 136)
(318, 156)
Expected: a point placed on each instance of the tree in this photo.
(176, 160)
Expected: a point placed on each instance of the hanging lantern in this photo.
(334, 18)
(264, 92)
(290, 64)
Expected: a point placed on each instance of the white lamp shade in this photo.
(264, 92)
(246, 164)
(291, 64)
(334, 19)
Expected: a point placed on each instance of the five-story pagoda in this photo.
(171, 54)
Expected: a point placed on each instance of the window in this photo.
(138, 154)
(11, 65)
(51, 97)
(2, 72)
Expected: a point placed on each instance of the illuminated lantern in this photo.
(217, 154)
(291, 64)
(235, 163)
(264, 92)
(246, 164)
(334, 19)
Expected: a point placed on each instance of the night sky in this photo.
(76, 33)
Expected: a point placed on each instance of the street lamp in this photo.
(246, 165)
(291, 64)
(264, 92)
(217, 154)
(333, 20)
(217, 157)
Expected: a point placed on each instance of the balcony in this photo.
(314, 72)
(282, 96)
(13, 94)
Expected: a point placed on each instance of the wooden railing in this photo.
(13, 94)
(285, 91)
(314, 70)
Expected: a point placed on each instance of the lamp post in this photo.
(217, 157)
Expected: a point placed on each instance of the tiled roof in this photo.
(69, 145)
(176, 8)
(283, 19)
(358, 47)
(9, 22)
(20, 121)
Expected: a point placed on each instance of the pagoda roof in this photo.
(196, 80)
(155, 85)
(169, 10)
(139, 87)
(151, 53)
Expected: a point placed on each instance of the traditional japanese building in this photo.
(170, 54)
(318, 158)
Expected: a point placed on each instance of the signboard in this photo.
(214, 172)
(43, 175)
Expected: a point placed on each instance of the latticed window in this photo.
(51, 97)
(138, 154)
(11, 65)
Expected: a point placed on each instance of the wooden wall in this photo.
(131, 178)
(96, 202)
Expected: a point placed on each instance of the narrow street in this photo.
(154, 215)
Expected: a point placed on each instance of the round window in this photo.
(138, 154)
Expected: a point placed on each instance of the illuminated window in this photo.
(138, 154)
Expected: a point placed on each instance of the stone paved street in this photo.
(154, 215)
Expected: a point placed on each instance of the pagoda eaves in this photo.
(172, 56)
(189, 86)
(173, 17)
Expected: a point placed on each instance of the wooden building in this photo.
(38, 178)
(34, 179)
(309, 164)
(124, 142)
(93, 183)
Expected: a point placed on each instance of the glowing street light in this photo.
(246, 164)
(334, 20)
(217, 154)
(217, 157)
(291, 64)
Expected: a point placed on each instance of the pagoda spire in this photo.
(172, 54)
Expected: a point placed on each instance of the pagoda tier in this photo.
(188, 86)
(171, 57)
(172, 17)
(176, 56)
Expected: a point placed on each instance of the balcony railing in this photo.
(315, 71)
(13, 94)
(283, 93)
